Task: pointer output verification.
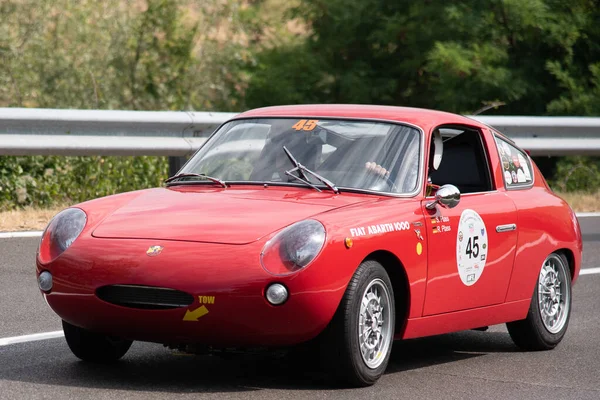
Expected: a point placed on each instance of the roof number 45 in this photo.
(305, 125)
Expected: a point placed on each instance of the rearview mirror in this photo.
(447, 196)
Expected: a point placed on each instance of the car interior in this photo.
(342, 159)
(464, 161)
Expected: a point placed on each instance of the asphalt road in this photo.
(465, 365)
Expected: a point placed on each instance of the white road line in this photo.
(30, 338)
(7, 235)
(588, 214)
(589, 271)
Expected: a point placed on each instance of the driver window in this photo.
(464, 161)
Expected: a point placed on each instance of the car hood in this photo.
(217, 215)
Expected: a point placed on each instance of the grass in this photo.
(33, 219)
(582, 202)
(27, 219)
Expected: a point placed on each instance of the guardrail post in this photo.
(175, 164)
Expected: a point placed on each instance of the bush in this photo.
(577, 174)
(50, 180)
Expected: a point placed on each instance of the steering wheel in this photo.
(381, 183)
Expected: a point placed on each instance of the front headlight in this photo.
(293, 248)
(60, 233)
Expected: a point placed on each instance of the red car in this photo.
(344, 225)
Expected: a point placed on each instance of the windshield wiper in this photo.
(203, 176)
(302, 171)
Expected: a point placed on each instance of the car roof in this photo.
(424, 118)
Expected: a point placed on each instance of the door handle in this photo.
(506, 228)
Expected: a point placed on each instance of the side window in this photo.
(464, 161)
(516, 167)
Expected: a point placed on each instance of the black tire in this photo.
(94, 347)
(339, 343)
(532, 333)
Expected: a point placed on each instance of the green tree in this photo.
(538, 57)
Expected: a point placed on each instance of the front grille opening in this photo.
(144, 297)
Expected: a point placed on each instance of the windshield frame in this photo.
(418, 188)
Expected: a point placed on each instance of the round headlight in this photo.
(293, 248)
(60, 233)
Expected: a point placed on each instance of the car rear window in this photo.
(516, 165)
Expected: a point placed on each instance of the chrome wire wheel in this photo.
(374, 326)
(554, 294)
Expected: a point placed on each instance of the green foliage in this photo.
(301, 81)
(538, 57)
(116, 54)
(155, 58)
(582, 95)
(45, 181)
(113, 54)
(577, 174)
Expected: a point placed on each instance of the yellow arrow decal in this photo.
(195, 314)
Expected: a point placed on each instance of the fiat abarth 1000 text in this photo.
(343, 225)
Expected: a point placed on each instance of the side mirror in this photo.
(447, 196)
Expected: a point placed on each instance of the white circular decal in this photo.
(471, 247)
(525, 167)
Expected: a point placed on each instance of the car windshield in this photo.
(351, 154)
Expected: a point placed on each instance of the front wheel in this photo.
(550, 309)
(358, 341)
(94, 347)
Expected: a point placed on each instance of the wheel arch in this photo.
(568, 253)
(397, 273)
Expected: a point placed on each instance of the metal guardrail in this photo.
(93, 132)
(550, 136)
(26, 131)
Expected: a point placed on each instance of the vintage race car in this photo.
(343, 225)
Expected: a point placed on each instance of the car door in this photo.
(471, 247)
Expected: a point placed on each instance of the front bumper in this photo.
(227, 280)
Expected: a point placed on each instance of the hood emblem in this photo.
(154, 250)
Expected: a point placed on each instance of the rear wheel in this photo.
(358, 342)
(550, 309)
(94, 347)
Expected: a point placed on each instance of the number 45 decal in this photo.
(305, 125)
(472, 247)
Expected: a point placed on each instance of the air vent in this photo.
(144, 297)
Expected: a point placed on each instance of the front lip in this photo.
(239, 315)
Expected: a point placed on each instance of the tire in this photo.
(94, 347)
(341, 344)
(546, 323)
